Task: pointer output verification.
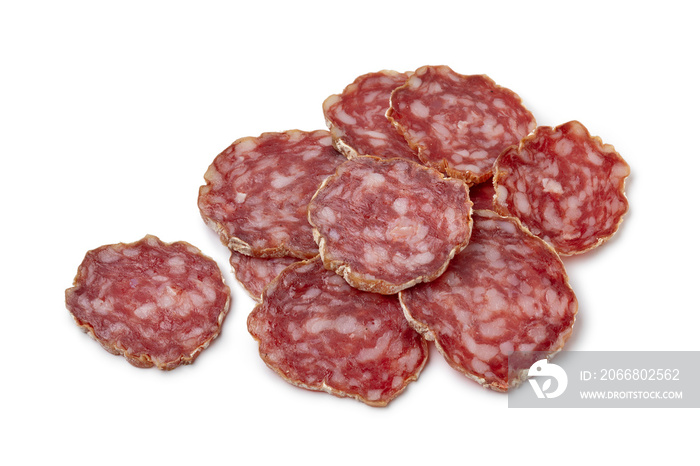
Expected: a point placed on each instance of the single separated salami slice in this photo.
(255, 273)
(154, 303)
(387, 224)
(507, 291)
(258, 190)
(458, 124)
(319, 333)
(357, 117)
(567, 187)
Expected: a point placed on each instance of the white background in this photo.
(110, 115)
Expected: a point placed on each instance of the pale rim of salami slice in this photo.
(440, 226)
(320, 334)
(257, 191)
(532, 325)
(536, 169)
(145, 282)
(374, 135)
(461, 122)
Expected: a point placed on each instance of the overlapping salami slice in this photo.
(387, 224)
(357, 117)
(506, 291)
(319, 333)
(567, 187)
(458, 124)
(156, 304)
(258, 190)
(255, 273)
(482, 195)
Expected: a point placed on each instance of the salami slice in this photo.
(507, 291)
(318, 333)
(458, 124)
(258, 190)
(387, 224)
(255, 273)
(154, 303)
(357, 117)
(482, 195)
(567, 187)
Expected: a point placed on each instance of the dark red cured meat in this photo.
(458, 124)
(567, 187)
(482, 195)
(156, 304)
(319, 333)
(506, 291)
(387, 224)
(258, 190)
(255, 273)
(357, 117)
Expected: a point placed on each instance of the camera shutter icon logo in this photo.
(545, 370)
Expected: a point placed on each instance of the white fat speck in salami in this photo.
(357, 117)
(157, 304)
(567, 187)
(458, 124)
(319, 333)
(257, 192)
(255, 273)
(387, 224)
(506, 291)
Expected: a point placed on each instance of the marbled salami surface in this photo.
(319, 333)
(458, 124)
(506, 291)
(387, 224)
(157, 304)
(566, 186)
(357, 117)
(257, 192)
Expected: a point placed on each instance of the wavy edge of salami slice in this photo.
(235, 270)
(325, 387)
(336, 134)
(521, 376)
(145, 361)
(338, 142)
(443, 165)
(234, 242)
(380, 286)
(609, 150)
(476, 195)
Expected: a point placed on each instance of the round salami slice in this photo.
(154, 303)
(255, 273)
(319, 333)
(357, 117)
(387, 224)
(258, 190)
(567, 187)
(506, 291)
(458, 124)
(482, 195)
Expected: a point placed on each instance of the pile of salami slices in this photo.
(434, 209)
